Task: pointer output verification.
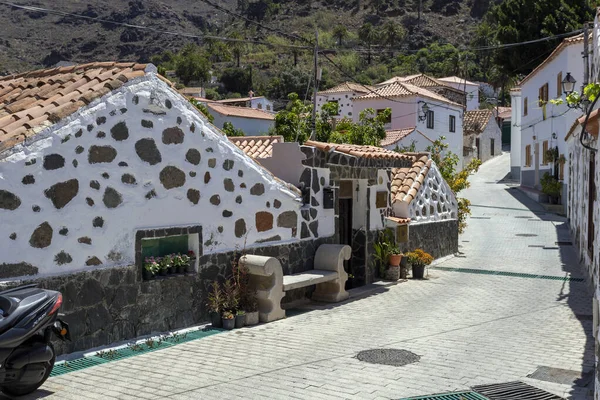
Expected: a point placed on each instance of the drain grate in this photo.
(450, 396)
(562, 376)
(103, 357)
(394, 357)
(514, 391)
(513, 274)
(526, 235)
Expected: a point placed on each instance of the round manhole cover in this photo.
(526, 235)
(395, 357)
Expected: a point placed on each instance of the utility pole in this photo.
(316, 86)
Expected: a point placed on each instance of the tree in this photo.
(192, 65)
(236, 46)
(368, 131)
(340, 33)
(392, 33)
(237, 80)
(203, 109)
(231, 130)
(294, 123)
(369, 35)
(523, 20)
(446, 162)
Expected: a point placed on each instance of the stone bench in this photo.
(329, 276)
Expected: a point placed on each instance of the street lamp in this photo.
(568, 84)
(425, 109)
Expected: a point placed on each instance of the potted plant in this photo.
(162, 269)
(215, 304)
(252, 316)
(419, 259)
(388, 255)
(240, 318)
(228, 320)
(151, 268)
(230, 296)
(191, 261)
(166, 264)
(552, 187)
(180, 263)
(552, 154)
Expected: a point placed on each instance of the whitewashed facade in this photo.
(471, 90)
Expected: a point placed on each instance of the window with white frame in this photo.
(452, 124)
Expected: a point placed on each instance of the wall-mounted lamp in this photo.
(568, 84)
(425, 109)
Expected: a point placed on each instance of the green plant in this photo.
(215, 297)
(240, 312)
(180, 260)
(152, 265)
(231, 296)
(166, 262)
(550, 185)
(552, 154)
(384, 247)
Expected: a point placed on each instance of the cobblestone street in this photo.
(468, 328)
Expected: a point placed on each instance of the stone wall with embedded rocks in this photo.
(141, 157)
(438, 238)
(108, 305)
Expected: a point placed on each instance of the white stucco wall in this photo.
(472, 93)
(406, 111)
(344, 100)
(375, 218)
(491, 131)
(250, 126)
(421, 142)
(559, 118)
(515, 134)
(223, 171)
(261, 103)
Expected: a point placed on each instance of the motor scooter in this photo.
(28, 318)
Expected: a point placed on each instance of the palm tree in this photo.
(236, 47)
(392, 33)
(340, 33)
(369, 35)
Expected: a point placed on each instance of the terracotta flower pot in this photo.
(394, 259)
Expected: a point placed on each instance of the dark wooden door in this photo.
(478, 151)
(345, 232)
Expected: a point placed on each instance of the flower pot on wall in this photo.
(418, 271)
(147, 275)
(191, 265)
(251, 318)
(240, 320)
(228, 324)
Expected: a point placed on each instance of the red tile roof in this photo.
(394, 136)
(348, 87)
(400, 89)
(406, 182)
(34, 100)
(257, 146)
(359, 151)
(239, 100)
(475, 121)
(243, 112)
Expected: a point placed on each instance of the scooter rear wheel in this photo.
(16, 389)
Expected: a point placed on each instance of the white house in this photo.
(543, 124)
(482, 135)
(258, 103)
(342, 95)
(515, 134)
(404, 139)
(432, 84)
(471, 90)
(412, 106)
(252, 121)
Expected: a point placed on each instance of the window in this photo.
(268, 107)
(528, 155)
(452, 127)
(525, 106)
(543, 95)
(380, 111)
(259, 106)
(430, 119)
(559, 84)
(492, 142)
(544, 151)
(561, 170)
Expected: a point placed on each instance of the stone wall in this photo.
(108, 305)
(140, 158)
(437, 238)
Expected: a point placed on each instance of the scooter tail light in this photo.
(57, 305)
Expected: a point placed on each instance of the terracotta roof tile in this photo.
(407, 181)
(243, 112)
(572, 130)
(239, 100)
(456, 79)
(475, 122)
(400, 221)
(394, 136)
(358, 151)
(30, 100)
(348, 87)
(400, 89)
(256, 146)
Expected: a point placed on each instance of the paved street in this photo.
(469, 329)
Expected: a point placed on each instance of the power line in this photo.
(149, 28)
